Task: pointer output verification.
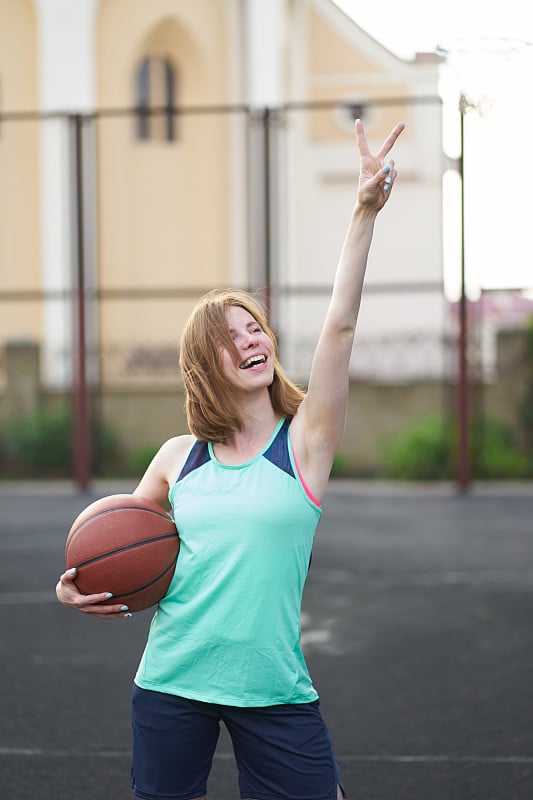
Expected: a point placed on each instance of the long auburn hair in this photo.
(212, 413)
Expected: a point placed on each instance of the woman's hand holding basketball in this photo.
(92, 604)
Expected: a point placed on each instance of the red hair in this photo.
(212, 412)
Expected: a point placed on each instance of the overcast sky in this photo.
(491, 61)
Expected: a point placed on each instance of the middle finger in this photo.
(388, 144)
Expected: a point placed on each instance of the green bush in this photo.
(341, 467)
(427, 451)
(140, 458)
(39, 444)
(494, 453)
(42, 445)
(421, 452)
(105, 450)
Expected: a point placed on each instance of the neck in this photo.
(260, 419)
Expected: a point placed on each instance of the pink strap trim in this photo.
(306, 488)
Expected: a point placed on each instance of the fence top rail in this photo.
(188, 292)
(296, 105)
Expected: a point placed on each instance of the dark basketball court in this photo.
(416, 626)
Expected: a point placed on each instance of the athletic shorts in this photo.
(282, 752)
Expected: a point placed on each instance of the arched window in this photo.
(346, 114)
(155, 88)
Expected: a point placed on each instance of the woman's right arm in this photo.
(91, 604)
(154, 484)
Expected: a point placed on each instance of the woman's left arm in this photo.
(319, 424)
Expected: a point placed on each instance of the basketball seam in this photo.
(125, 548)
(164, 516)
(147, 585)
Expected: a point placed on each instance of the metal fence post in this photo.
(463, 461)
(81, 439)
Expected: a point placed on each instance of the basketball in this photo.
(124, 544)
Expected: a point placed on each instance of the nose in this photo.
(249, 339)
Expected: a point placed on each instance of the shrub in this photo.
(140, 458)
(341, 467)
(42, 445)
(421, 452)
(494, 453)
(427, 451)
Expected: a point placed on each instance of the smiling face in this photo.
(222, 371)
(252, 367)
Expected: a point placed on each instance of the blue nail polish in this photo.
(386, 187)
(126, 616)
(386, 169)
(108, 596)
(72, 571)
(123, 608)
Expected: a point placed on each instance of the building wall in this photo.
(19, 158)
(169, 216)
(376, 414)
(341, 62)
(164, 216)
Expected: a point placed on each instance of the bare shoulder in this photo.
(173, 453)
(164, 468)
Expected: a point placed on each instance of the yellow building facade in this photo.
(173, 202)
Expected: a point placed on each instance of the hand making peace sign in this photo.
(376, 177)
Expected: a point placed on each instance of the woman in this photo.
(245, 487)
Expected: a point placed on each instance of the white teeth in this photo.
(250, 362)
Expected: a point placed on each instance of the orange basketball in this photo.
(124, 544)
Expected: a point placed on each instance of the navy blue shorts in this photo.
(282, 752)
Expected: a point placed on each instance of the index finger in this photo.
(362, 144)
(388, 144)
(67, 587)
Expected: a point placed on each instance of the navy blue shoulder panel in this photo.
(278, 452)
(198, 456)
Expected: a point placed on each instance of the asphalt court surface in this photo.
(417, 628)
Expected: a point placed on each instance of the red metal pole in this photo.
(267, 177)
(82, 439)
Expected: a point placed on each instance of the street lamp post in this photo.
(463, 399)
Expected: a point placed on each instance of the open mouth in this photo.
(253, 361)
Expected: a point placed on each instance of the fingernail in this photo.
(386, 187)
(386, 169)
(388, 181)
(72, 571)
(108, 596)
(126, 616)
(123, 608)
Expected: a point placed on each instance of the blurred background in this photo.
(150, 151)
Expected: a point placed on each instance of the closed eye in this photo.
(255, 329)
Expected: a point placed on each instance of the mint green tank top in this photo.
(228, 629)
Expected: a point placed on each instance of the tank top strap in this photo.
(198, 456)
(278, 452)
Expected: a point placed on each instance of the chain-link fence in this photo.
(114, 223)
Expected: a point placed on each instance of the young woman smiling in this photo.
(245, 487)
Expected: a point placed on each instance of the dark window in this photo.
(155, 89)
(355, 111)
(346, 114)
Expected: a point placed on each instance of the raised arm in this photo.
(319, 424)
